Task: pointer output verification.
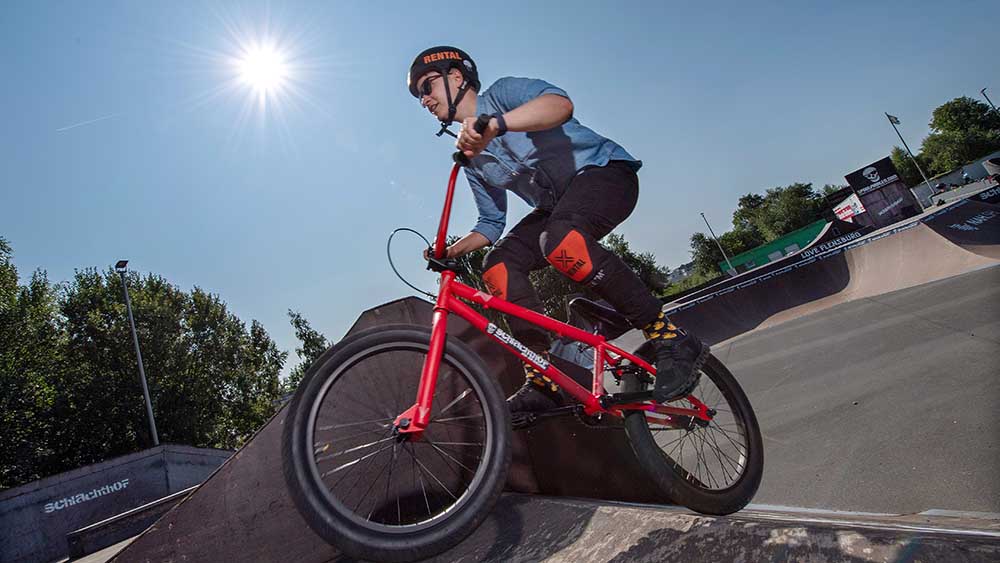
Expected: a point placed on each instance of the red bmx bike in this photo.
(397, 442)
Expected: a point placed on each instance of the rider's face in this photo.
(432, 94)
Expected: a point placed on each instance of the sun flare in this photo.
(263, 68)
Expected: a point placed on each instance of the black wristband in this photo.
(501, 124)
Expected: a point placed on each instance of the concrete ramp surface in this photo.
(951, 241)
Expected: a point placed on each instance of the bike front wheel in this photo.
(712, 468)
(379, 494)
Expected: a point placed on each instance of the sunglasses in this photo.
(425, 87)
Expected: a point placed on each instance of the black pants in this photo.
(597, 201)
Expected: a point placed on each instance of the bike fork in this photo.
(416, 418)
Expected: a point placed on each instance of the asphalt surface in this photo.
(884, 404)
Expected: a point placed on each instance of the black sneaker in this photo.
(534, 398)
(678, 356)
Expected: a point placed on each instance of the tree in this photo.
(780, 211)
(906, 168)
(69, 388)
(948, 150)
(964, 114)
(962, 130)
(759, 219)
(313, 346)
(211, 381)
(829, 189)
(705, 254)
(30, 343)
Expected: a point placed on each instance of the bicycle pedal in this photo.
(522, 420)
(519, 420)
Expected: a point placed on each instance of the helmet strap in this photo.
(452, 104)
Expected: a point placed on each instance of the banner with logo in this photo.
(872, 177)
(848, 208)
(882, 193)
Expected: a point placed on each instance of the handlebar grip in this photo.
(482, 122)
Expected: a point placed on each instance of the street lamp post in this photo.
(894, 121)
(120, 267)
(719, 245)
(983, 92)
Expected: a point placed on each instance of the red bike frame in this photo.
(450, 294)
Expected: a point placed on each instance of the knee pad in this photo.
(571, 251)
(495, 280)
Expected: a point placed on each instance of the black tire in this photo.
(734, 428)
(366, 380)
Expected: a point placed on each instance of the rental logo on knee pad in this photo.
(81, 498)
(571, 257)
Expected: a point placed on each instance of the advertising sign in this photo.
(848, 208)
(872, 177)
(882, 193)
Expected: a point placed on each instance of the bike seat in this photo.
(609, 323)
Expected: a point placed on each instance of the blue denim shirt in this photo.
(539, 166)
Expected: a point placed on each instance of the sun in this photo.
(263, 68)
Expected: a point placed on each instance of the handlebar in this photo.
(482, 122)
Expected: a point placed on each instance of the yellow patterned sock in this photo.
(535, 377)
(660, 329)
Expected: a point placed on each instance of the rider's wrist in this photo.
(500, 124)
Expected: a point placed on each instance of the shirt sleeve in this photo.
(492, 205)
(509, 93)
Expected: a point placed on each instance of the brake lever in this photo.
(442, 264)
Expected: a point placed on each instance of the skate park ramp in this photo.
(953, 240)
(878, 418)
(243, 511)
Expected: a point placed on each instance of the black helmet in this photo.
(442, 59)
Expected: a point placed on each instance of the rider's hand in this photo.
(472, 143)
(427, 253)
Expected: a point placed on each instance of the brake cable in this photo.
(388, 254)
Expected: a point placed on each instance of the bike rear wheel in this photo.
(376, 493)
(714, 468)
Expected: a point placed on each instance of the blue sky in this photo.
(126, 133)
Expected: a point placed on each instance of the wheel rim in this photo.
(377, 478)
(715, 457)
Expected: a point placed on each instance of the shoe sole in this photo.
(692, 382)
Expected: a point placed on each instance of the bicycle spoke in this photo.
(337, 426)
(731, 460)
(708, 468)
(457, 425)
(353, 401)
(670, 442)
(736, 466)
(457, 399)
(728, 437)
(370, 487)
(431, 474)
(345, 474)
(326, 445)
(350, 463)
(355, 448)
(456, 418)
(460, 443)
(420, 476)
(719, 455)
(388, 481)
(449, 456)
